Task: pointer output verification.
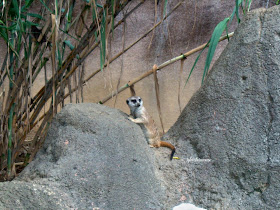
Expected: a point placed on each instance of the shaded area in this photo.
(228, 134)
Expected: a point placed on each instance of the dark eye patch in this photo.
(133, 101)
(127, 101)
(139, 99)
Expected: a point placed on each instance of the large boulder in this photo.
(228, 134)
(93, 156)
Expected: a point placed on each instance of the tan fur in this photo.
(141, 116)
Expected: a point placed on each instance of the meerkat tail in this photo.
(166, 144)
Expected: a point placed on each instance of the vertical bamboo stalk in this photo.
(70, 88)
(10, 119)
(81, 82)
(53, 62)
(10, 140)
(179, 86)
(76, 85)
(157, 95)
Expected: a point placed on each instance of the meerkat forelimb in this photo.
(140, 116)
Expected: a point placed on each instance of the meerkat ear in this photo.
(127, 101)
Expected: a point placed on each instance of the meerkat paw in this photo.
(131, 119)
(151, 145)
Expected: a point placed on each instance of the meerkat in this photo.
(142, 117)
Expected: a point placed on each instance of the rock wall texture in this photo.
(98, 158)
(232, 123)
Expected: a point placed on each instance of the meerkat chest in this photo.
(149, 128)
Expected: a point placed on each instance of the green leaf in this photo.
(59, 57)
(99, 5)
(29, 23)
(237, 4)
(42, 1)
(69, 35)
(69, 16)
(249, 5)
(12, 27)
(103, 41)
(219, 29)
(3, 34)
(27, 4)
(197, 58)
(35, 15)
(68, 43)
(15, 7)
(165, 6)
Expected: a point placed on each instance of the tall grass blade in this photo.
(113, 5)
(157, 95)
(68, 43)
(42, 1)
(197, 58)
(219, 29)
(103, 40)
(165, 7)
(69, 15)
(179, 85)
(35, 15)
(15, 7)
(10, 139)
(249, 5)
(237, 4)
(27, 4)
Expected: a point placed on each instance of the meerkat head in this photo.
(134, 102)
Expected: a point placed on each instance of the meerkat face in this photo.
(134, 102)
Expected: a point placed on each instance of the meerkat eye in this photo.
(133, 101)
(139, 99)
(127, 101)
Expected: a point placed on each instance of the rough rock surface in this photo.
(228, 134)
(93, 156)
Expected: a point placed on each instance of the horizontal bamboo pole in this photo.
(161, 66)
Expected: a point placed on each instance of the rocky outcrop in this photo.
(93, 157)
(228, 134)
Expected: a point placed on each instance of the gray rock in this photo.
(232, 124)
(27, 195)
(97, 158)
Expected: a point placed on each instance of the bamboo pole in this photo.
(161, 66)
